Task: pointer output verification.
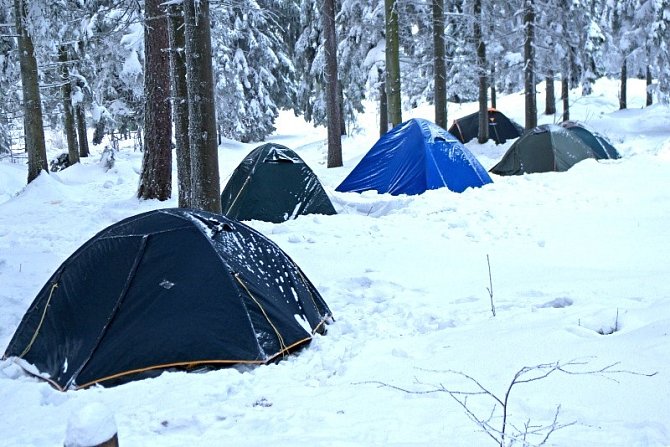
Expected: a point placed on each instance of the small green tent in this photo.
(273, 184)
(545, 148)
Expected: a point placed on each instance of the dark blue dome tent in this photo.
(501, 128)
(413, 157)
(273, 184)
(171, 288)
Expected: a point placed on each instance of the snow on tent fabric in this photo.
(413, 157)
(544, 148)
(598, 144)
(501, 128)
(163, 289)
(273, 184)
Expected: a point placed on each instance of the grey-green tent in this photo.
(545, 148)
(273, 184)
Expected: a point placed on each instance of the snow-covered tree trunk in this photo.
(650, 99)
(623, 95)
(32, 102)
(550, 96)
(529, 64)
(334, 117)
(393, 63)
(201, 108)
(565, 96)
(383, 105)
(156, 177)
(492, 83)
(82, 136)
(483, 134)
(68, 111)
(180, 103)
(439, 64)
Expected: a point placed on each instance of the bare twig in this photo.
(490, 288)
(526, 374)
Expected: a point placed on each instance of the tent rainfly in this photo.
(545, 148)
(598, 143)
(413, 157)
(273, 184)
(171, 288)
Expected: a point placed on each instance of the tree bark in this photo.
(68, 111)
(623, 96)
(440, 66)
(156, 176)
(650, 99)
(483, 133)
(82, 136)
(180, 103)
(529, 62)
(205, 193)
(383, 105)
(493, 87)
(393, 63)
(550, 95)
(32, 101)
(565, 96)
(333, 111)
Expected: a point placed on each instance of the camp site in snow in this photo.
(343, 224)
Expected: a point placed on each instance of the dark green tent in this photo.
(599, 144)
(171, 288)
(545, 148)
(273, 184)
(501, 128)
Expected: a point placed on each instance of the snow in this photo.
(579, 279)
(90, 425)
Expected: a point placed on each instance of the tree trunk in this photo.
(574, 68)
(32, 101)
(180, 103)
(68, 111)
(340, 98)
(529, 62)
(440, 66)
(383, 105)
(393, 63)
(650, 99)
(565, 96)
(483, 133)
(550, 95)
(156, 177)
(82, 137)
(333, 110)
(201, 108)
(493, 87)
(623, 96)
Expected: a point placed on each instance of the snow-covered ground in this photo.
(579, 266)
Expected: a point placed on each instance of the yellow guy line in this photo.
(39, 326)
(282, 345)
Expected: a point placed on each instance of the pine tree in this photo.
(156, 175)
(201, 108)
(393, 92)
(440, 69)
(332, 84)
(32, 103)
(179, 88)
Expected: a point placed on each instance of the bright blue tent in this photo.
(415, 156)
